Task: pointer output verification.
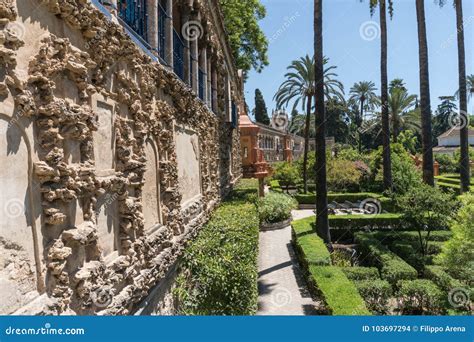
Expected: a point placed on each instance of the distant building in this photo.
(450, 141)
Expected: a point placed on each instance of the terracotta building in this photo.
(118, 137)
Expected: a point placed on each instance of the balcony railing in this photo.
(133, 13)
(201, 84)
(162, 16)
(178, 55)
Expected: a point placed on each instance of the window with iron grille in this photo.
(178, 55)
(133, 13)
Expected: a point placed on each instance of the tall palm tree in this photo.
(364, 93)
(299, 87)
(425, 102)
(322, 220)
(399, 104)
(397, 83)
(469, 87)
(462, 96)
(387, 163)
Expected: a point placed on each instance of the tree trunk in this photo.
(359, 123)
(322, 221)
(387, 163)
(396, 128)
(306, 144)
(425, 103)
(464, 162)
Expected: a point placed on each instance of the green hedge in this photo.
(390, 237)
(275, 207)
(310, 198)
(420, 296)
(275, 186)
(361, 273)
(392, 268)
(308, 244)
(364, 221)
(443, 280)
(376, 294)
(219, 268)
(339, 293)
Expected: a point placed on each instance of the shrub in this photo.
(458, 253)
(411, 255)
(392, 268)
(405, 175)
(343, 175)
(275, 185)
(447, 164)
(275, 207)
(339, 293)
(219, 268)
(309, 246)
(361, 273)
(426, 208)
(286, 174)
(376, 294)
(420, 296)
(441, 278)
(354, 222)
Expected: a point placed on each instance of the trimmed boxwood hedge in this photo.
(308, 244)
(392, 268)
(376, 294)
(363, 221)
(310, 198)
(420, 296)
(219, 268)
(361, 273)
(339, 293)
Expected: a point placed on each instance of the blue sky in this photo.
(350, 46)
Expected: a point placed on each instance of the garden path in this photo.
(282, 289)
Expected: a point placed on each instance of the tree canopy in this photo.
(247, 40)
(260, 111)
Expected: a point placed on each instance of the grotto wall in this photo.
(109, 162)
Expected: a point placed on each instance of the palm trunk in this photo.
(322, 221)
(396, 127)
(359, 123)
(306, 144)
(387, 163)
(464, 162)
(425, 103)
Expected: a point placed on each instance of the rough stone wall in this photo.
(89, 105)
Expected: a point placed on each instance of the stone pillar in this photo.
(169, 33)
(195, 61)
(203, 64)
(209, 80)
(152, 27)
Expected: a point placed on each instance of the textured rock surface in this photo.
(76, 69)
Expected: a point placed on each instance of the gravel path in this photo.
(282, 290)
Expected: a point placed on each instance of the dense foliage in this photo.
(260, 111)
(458, 253)
(219, 268)
(246, 38)
(275, 207)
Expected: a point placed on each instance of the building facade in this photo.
(450, 141)
(118, 136)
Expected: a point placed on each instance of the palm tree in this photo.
(300, 87)
(364, 93)
(397, 83)
(322, 220)
(425, 102)
(469, 86)
(399, 104)
(462, 96)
